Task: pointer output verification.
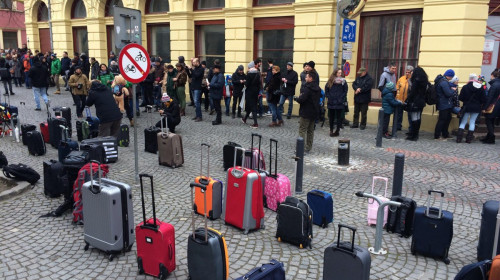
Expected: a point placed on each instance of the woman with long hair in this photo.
(415, 103)
(336, 93)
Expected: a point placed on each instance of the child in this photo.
(228, 92)
(388, 104)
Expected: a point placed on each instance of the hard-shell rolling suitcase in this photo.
(207, 250)
(66, 145)
(321, 204)
(44, 130)
(213, 191)
(170, 150)
(475, 271)
(274, 270)
(96, 151)
(243, 203)
(55, 132)
(373, 204)
(432, 230)
(345, 260)
(495, 268)
(109, 144)
(487, 232)
(155, 241)
(53, 170)
(65, 112)
(401, 220)
(109, 216)
(36, 145)
(123, 137)
(228, 155)
(295, 222)
(277, 185)
(254, 157)
(24, 131)
(151, 134)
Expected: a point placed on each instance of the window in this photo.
(272, 2)
(6, 4)
(386, 38)
(159, 41)
(43, 12)
(108, 12)
(10, 40)
(78, 9)
(157, 6)
(80, 40)
(111, 40)
(211, 43)
(274, 39)
(209, 4)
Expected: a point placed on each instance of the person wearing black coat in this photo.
(252, 94)
(415, 102)
(290, 80)
(106, 109)
(238, 79)
(39, 77)
(196, 73)
(85, 64)
(147, 88)
(5, 75)
(216, 87)
(171, 111)
(309, 108)
(362, 96)
(493, 99)
(473, 97)
(65, 65)
(336, 91)
(273, 88)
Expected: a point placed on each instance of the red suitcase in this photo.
(44, 129)
(155, 242)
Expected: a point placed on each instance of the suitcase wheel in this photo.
(111, 257)
(446, 261)
(412, 248)
(139, 265)
(86, 246)
(163, 272)
(245, 232)
(129, 248)
(279, 239)
(301, 246)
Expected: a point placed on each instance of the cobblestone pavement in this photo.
(52, 248)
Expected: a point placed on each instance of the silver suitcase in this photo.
(108, 214)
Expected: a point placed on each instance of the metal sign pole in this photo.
(136, 149)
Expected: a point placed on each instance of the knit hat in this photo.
(311, 64)
(54, 54)
(216, 66)
(389, 86)
(204, 63)
(181, 59)
(473, 77)
(251, 64)
(449, 73)
(454, 79)
(289, 63)
(165, 97)
(240, 68)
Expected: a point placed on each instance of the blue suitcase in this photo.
(432, 230)
(273, 270)
(487, 232)
(321, 203)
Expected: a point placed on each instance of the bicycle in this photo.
(140, 57)
(130, 68)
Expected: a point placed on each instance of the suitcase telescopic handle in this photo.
(64, 131)
(92, 176)
(203, 188)
(208, 160)
(353, 229)
(271, 141)
(428, 203)
(379, 178)
(154, 226)
(236, 149)
(251, 150)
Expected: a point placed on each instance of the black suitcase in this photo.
(24, 130)
(151, 134)
(345, 260)
(36, 145)
(110, 145)
(66, 145)
(487, 232)
(55, 132)
(295, 222)
(53, 170)
(96, 152)
(65, 112)
(401, 220)
(76, 159)
(228, 155)
(123, 136)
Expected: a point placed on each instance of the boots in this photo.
(183, 112)
(489, 139)
(273, 124)
(331, 133)
(415, 126)
(460, 135)
(336, 133)
(280, 123)
(132, 123)
(469, 137)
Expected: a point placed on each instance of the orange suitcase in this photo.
(213, 191)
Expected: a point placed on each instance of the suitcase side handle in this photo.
(428, 203)
(203, 190)
(208, 160)
(353, 229)
(92, 189)
(154, 226)
(271, 141)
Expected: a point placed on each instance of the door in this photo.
(80, 40)
(44, 35)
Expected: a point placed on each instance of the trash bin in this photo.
(343, 151)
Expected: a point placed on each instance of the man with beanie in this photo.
(389, 103)
(444, 105)
(238, 79)
(196, 74)
(55, 71)
(309, 69)
(402, 88)
(362, 96)
(388, 76)
(290, 80)
(216, 86)
(65, 65)
(309, 108)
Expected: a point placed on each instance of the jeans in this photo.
(442, 124)
(127, 102)
(360, 108)
(217, 107)
(227, 102)
(472, 121)
(27, 80)
(274, 110)
(306, 131)
(40, 91)
(18, 81)
(80, 103)
(335, 114)
(66, 78)
(5, 83)
(283, 98)
(197, 99)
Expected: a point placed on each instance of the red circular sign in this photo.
(347, 69)
(134, 63)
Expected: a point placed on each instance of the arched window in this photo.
(108, 10)
(157, 6)
(272, 2)
(208, 4)
(78, 9)
(43, 12)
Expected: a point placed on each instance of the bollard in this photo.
(344, 151)
(380, 127)
(395, 123)
(397, 180)
(299, 167)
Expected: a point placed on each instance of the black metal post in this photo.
(299, 158)
(344, 151)
(395, 123)
(397, 181)
(380, 127)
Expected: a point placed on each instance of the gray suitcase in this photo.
(170, 151)
(109, 216)
(344, 260)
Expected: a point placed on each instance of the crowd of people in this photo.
(165, 86)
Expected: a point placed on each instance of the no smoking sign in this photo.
(134, 63)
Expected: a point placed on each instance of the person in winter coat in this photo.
(105, 76)
(95, 68)
(238, 79)
(362, 96)
(5, 75)
(65, 65)
(79, 84)
(196, 73)
(253, 84)
(417, 92)
(473, 98)
(85, 64)
(389, 103)
(309, 69)
(39, 77)
(388, 76)
(27, 65)
(106, 110)
(113, 68)
(147, 89)
(273, 88)
(309, 108)
(18, 68)
(228, 93)
(180, 86)
(55, 72)
(167, 84)
(402, 88)
(290, 79)
(215, 87)
(492, 100)
(445, 94)
(171, 112)
(336, 91)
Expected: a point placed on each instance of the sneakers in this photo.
(38, 109)
(243, 120)
(216, 123)
(354, 126)
(362, 127)
(254, 126)
(387, 135)
(288, 117)
(57, 92)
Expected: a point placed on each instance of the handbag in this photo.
(491, 107)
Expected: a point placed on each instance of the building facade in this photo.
(12, 28)
(434, 34)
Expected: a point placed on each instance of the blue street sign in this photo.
(349, 31)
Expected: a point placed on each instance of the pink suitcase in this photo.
(277, 186)
(373, 205)
(256, 160)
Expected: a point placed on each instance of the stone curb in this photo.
(21, 187)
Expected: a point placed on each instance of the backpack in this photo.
(401, 220)
(3, 160)
(83, 177)
(431, 97)
(21, 172)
